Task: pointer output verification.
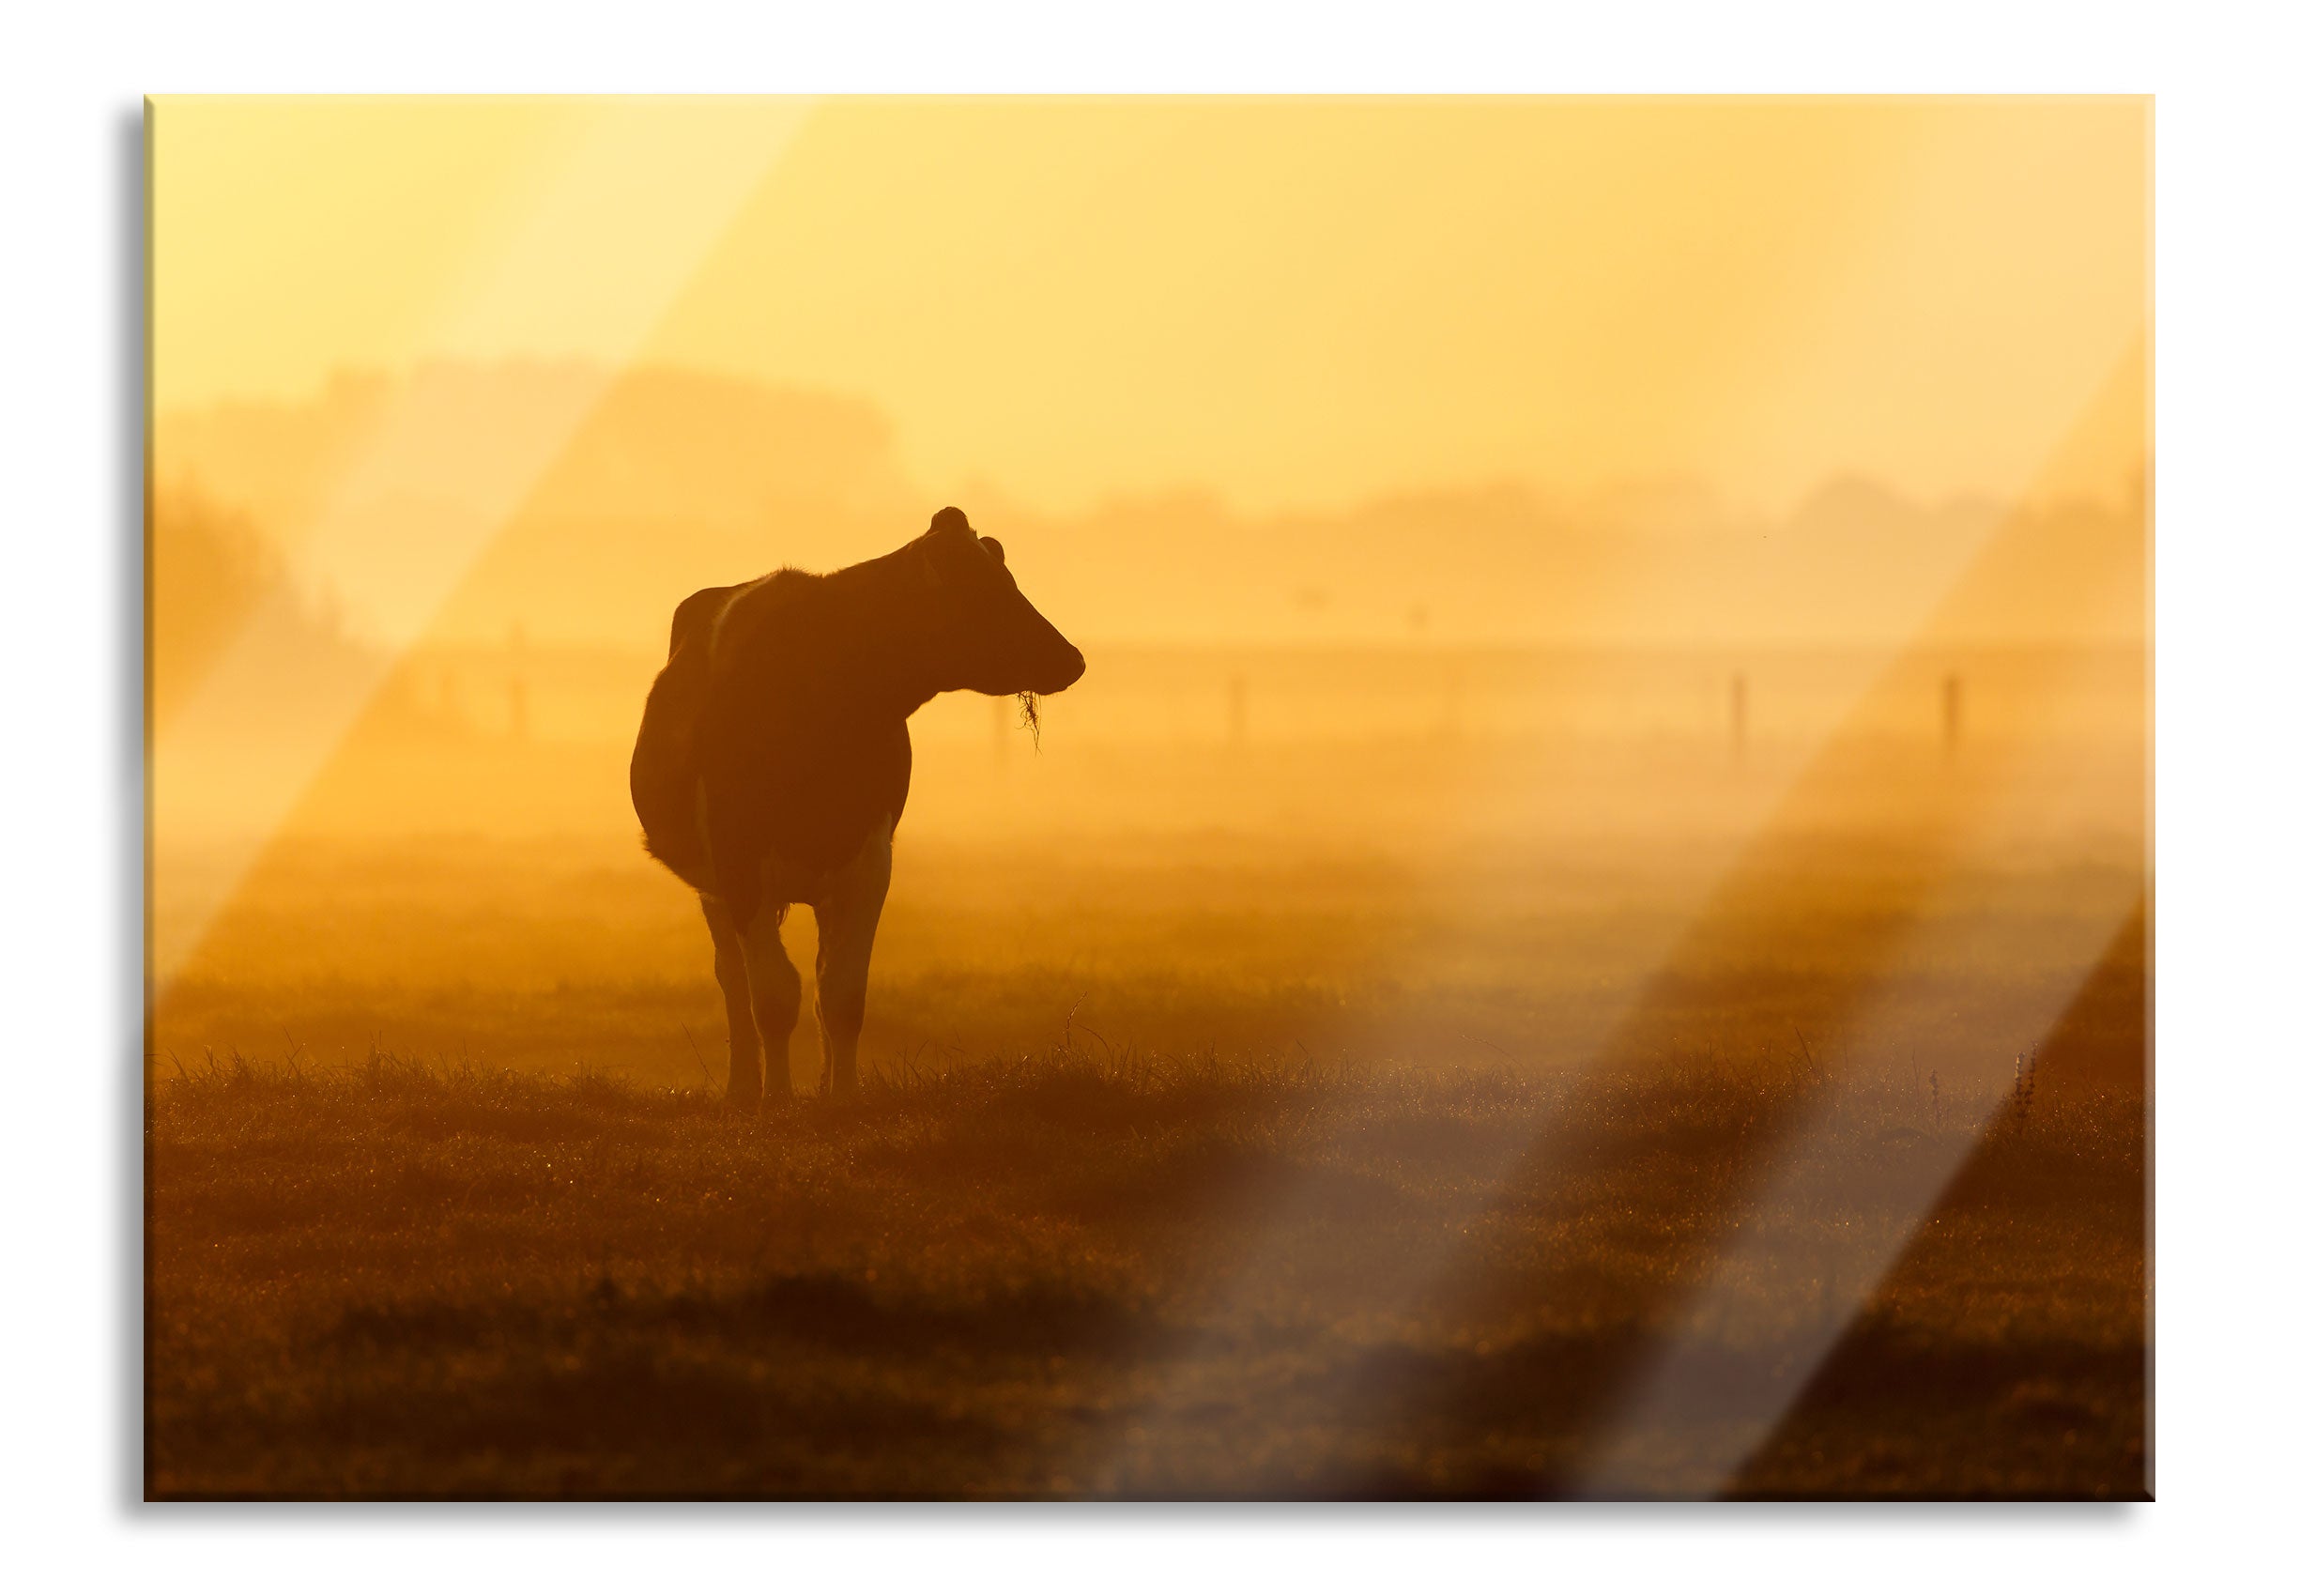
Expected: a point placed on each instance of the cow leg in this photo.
(846, 923)
(735, 987)
(774, 984)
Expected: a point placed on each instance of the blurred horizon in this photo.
(677, 479)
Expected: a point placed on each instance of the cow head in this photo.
(984, 635)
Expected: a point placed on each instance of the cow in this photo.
(773, 760)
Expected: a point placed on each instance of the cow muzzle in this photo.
(1068, 667)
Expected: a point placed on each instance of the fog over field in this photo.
(1255, 1060)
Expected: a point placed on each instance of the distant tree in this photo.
(207, 570)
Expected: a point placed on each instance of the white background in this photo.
(2229, 519)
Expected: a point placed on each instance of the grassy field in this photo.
(1206, 1168)
(1071, 1275)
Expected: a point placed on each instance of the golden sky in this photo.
(1292, 303)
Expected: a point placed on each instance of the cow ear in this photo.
(998, 550)
(949, 521)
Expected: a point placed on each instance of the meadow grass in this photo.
(1207, 1166)
(1085, 1271)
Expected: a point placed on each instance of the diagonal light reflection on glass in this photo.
(1838, 1207)
(1729, 894)
(261, 716)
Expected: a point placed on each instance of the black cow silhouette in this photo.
(773, 760)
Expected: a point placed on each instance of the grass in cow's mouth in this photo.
(1029, 715)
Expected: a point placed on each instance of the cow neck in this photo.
(877, 633)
